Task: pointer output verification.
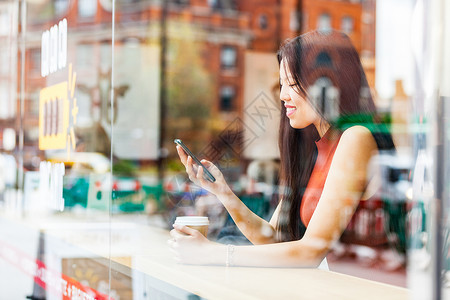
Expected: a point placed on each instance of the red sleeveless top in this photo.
(326, 147)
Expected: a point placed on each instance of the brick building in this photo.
(356, 18)
(228, 30)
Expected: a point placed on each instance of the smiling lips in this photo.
(290, 110)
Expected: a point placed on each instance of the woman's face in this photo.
(299, 110)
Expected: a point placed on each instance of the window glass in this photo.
(61, 6)
(228, 57)
(227, 95)
(223, 4)
(263, 22)
(5, 19)
(324, 22)
(85, 57)
(55, 179)
(320, 138)
(347, 24)
(8, 50)
(35, 60)
(5, 59)
(323, 59)
(180, 2)
(213, 3)
(86, 8)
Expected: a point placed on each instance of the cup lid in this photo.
(192, 220)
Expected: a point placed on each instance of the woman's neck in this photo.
(322, 127)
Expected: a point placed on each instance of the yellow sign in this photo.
(54, 115)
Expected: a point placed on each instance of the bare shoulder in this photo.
(357, 137)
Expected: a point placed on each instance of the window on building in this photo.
(87, 8)
(228, 57)
(5, 107)
(213, 3)
(323, 60)
(60, 6)
(324, 22)
(132, 1)
(84, 55)
(223, 4)
(35, 60)
(304, 21)
(33, 104)
(5, 23)
(227, 96)
(263, 22)
(294, 20)
(347, 24)
(5, 61)
(179, 2)
(326, 97)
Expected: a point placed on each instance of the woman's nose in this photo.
(284, 95)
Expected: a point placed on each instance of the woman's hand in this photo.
(195, 173)
(189, 246)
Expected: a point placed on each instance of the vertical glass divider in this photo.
(437, 243)
(163, 90)
(110, 206)
(20, 173)
(439, 155)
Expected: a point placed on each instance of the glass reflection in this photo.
(204, 72)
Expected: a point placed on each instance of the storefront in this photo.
(93, 94)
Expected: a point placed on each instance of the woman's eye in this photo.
(292, 84)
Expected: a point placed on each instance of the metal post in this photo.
(439, 160)
(436, 217)
(112, 112)
(163, 90)
(20, 174)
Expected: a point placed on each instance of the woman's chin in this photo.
(295, 125)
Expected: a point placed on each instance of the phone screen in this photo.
(209, 176)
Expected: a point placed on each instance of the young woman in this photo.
(326, 141)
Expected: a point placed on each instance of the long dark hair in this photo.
(309, 57)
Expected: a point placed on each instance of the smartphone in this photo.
(209, 176)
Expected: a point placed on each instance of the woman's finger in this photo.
(184, 229)
(206, 163)
(190, 170)
(183, 156)
(202, 179)
(211, 167)
(190, 163)
(175, 234)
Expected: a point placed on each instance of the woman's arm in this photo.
(343, 188)
(191, 247)
(256, 229)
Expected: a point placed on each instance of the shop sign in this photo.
(57, 103)
(54, 48)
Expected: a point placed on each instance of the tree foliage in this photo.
(190, 84)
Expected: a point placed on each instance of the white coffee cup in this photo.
(196, 222)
